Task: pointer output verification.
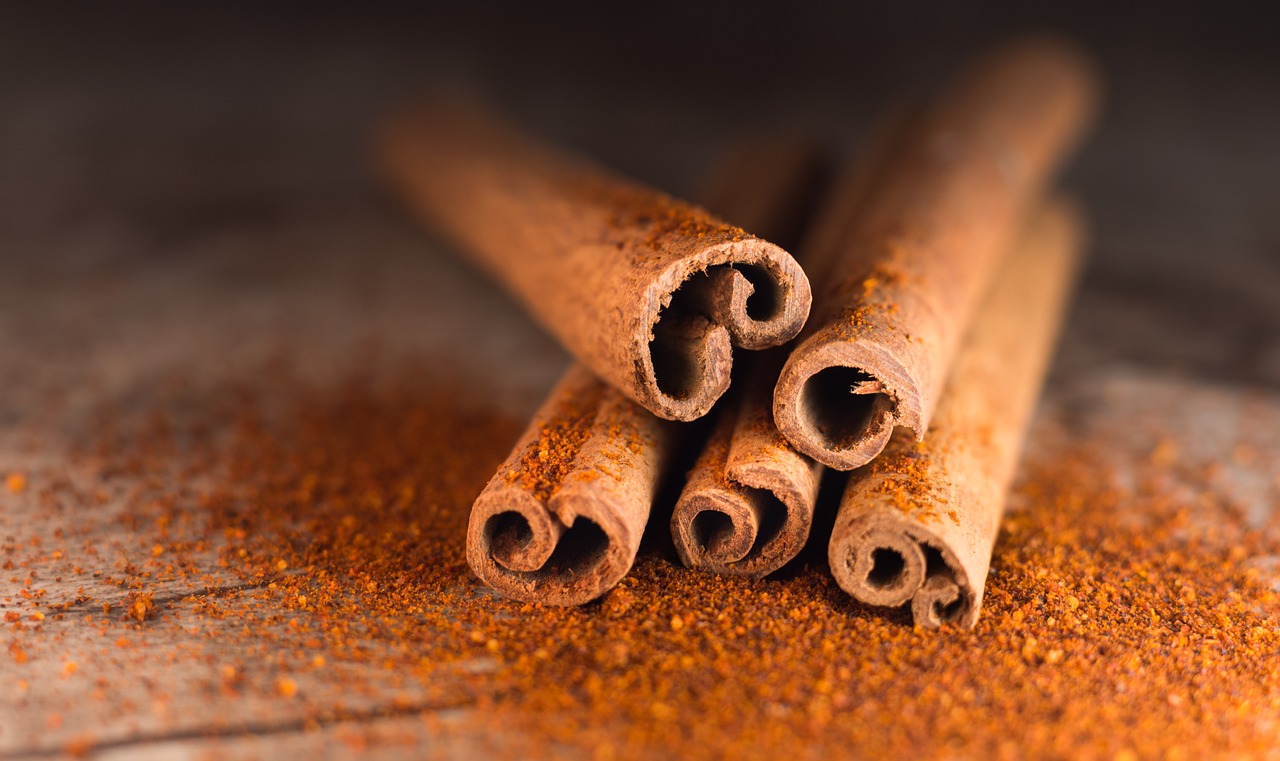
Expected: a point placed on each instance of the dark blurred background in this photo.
(177, 120)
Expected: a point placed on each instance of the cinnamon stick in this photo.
(918, 524)
(747, 506)
(649, 292)
(922, 248)
(561, 520)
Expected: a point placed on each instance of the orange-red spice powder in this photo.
(1110, 629)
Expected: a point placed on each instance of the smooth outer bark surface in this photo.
(561, 520)
(649, 292)
(920, 249)
(919, 523)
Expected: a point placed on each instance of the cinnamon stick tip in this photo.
(751, 526)
(1057, 59)
(839, 402)
(745, 293)
(712, 530)
(882, 559)
(563, 552)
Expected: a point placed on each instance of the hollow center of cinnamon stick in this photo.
(711, 529)
(680, 335)
(949, 612)
(765, 301)
(509, 535)
(887, 566)
(832, 407)
(725, 536)
(580, 549)
(674, 350)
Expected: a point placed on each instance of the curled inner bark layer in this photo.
(561, 520)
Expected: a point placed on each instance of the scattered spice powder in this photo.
(906, 484)
(140, 606)
(1114, 626)
(661, 218)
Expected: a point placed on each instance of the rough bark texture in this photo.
(649, 292)
(920, 248)
(561, 520)
(919, 523)
(747, 506)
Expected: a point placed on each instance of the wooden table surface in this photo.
(182, 212)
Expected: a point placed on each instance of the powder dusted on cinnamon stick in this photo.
(920, 248)
(649, 292)
(918, 524)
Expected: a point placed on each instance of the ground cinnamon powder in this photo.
(547, 460)
(1116, 624)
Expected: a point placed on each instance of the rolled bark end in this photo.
(906, 261)
(650, 292)
(942, 499)
(515, 544)
(721, 530)
(942, 600)
(747, 506)
(561, 520)
(885, 559)
(749, 294)
(839, 403)
(530, 552)
(736, 530)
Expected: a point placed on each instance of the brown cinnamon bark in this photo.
(922, 248)
(747, 506)
(918, 524)
(561, 520)
(649, 292)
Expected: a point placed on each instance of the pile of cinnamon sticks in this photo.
(905, 343)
